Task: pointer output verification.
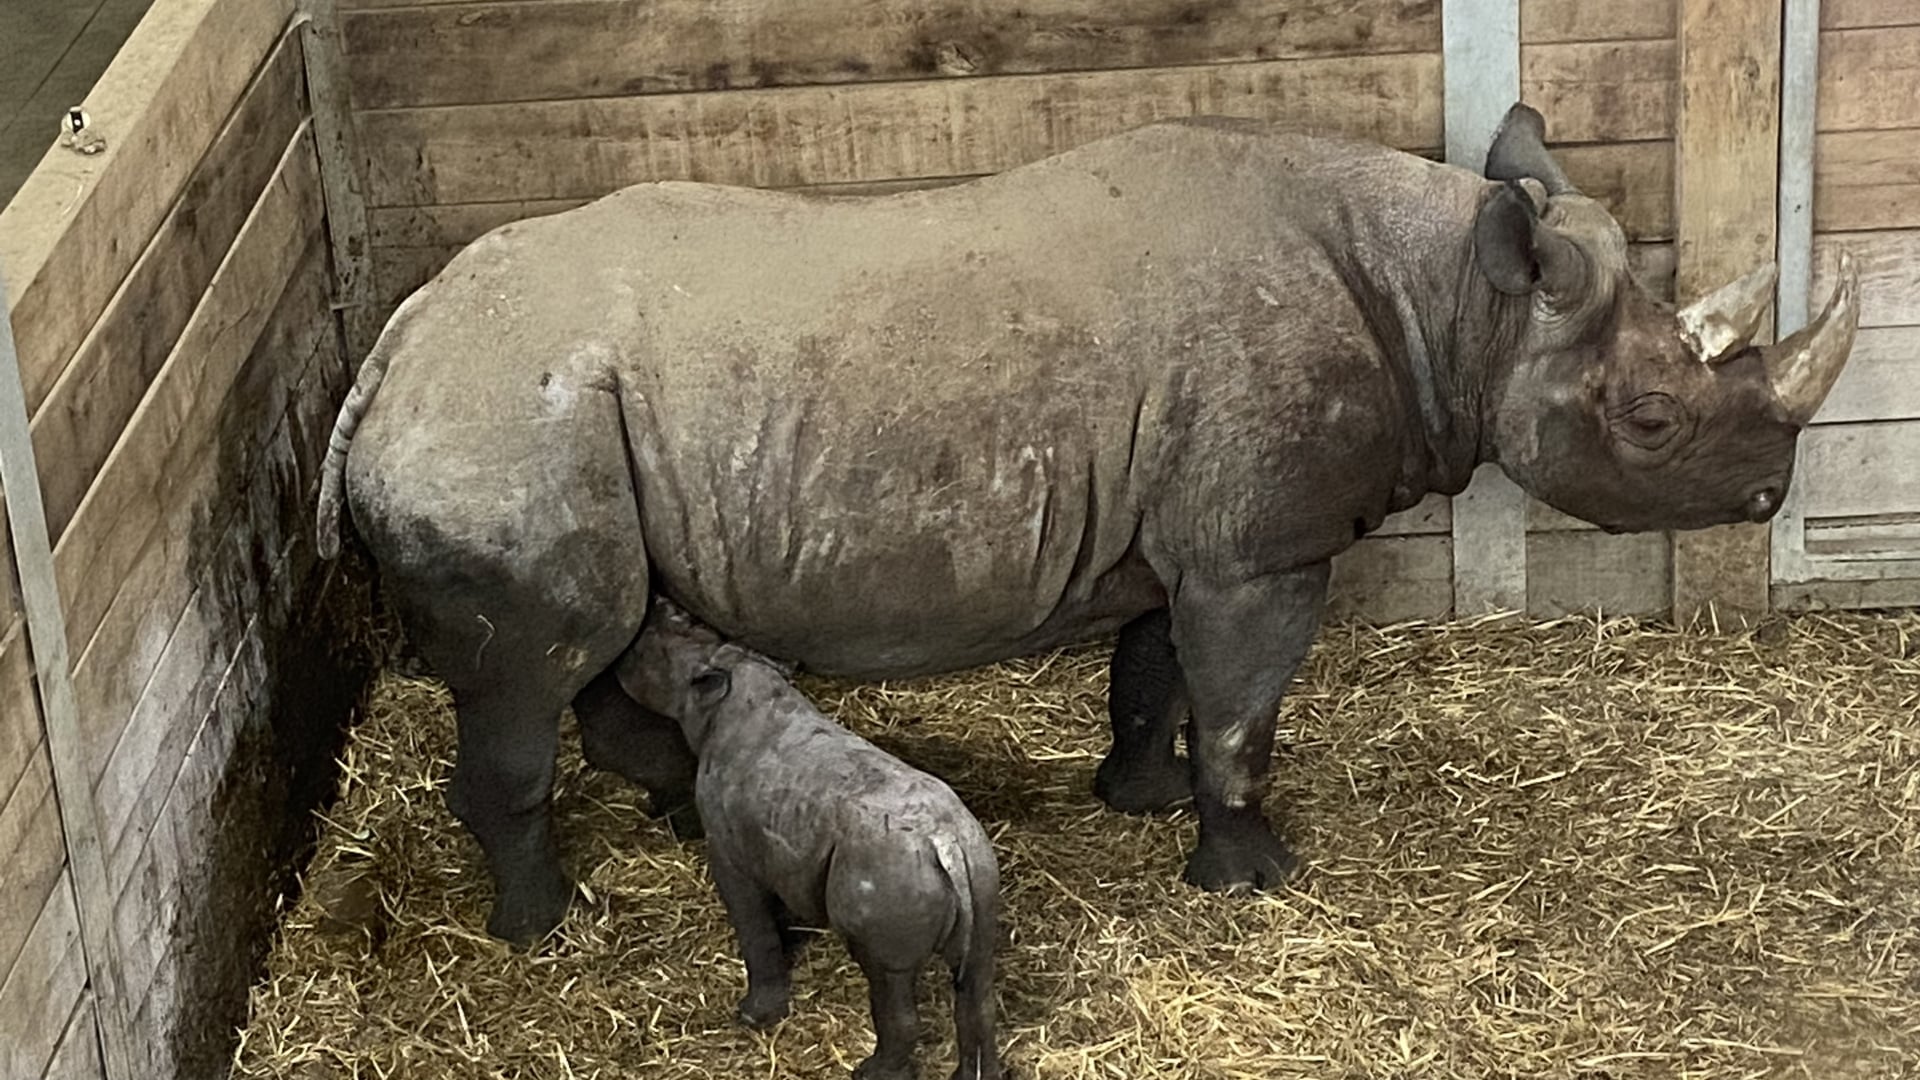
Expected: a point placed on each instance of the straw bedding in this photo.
(1602, 850)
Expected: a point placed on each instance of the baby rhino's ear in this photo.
(711, 687)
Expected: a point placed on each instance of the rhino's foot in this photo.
(980, 1070)
(1133, 786)
(765, 1006)
(526, 912)
(876, 1068)
(1240, 858)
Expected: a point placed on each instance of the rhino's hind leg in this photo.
(1146, 703)
(973, 1011)
(502, 779)
(620, 735)
(896, 1018)
(1240, 644)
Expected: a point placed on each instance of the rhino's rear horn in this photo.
(1803, 368)
(1717, 326)
(1519, 152)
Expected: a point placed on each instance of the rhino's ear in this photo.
(1519, 253)
(1503, 241)
(711, 687)
(1520, 150)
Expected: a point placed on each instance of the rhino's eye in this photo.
(1650, 421)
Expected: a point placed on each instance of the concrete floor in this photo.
(51, 52)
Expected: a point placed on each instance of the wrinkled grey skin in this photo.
(1151, 385)
(808, 824)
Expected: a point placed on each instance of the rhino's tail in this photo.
(970, 923)
(334, 470)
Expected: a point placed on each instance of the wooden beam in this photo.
(66, 747)
(1799, 112)
(1726, 179)
(1489, 527)
(1543, 21)
(343, 177)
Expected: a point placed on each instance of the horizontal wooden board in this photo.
(1634, 181)
(33, 853)
(1866, 180)
(1627, 574)
(1846, 14)
(1881, 380)
(1879, 536)
(83, 415)
(1868, 79)
(1860, 470)
(120, 512)
(532, 50)
(40, 993)
(1602, 92)
(1847, 595)
(867, 132)
(1393, 579)
(1549, 21)
(74, 228)
(1889, 264)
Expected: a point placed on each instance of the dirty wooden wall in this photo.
(170, 303)
(1857, 540)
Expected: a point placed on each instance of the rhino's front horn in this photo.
(1803, 368)
(1717, 326)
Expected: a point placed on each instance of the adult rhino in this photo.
(1151, 385)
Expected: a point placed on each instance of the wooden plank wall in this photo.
(171, 303)
(1860, 464)
(478, 113)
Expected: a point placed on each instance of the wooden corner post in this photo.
(342, 175)
(1727, 186)
(1481, 43)
(66, 744)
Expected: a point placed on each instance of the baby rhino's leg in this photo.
(893, 908)
(752, 908)
(973, 1020)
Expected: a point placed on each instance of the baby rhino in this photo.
(809, 824)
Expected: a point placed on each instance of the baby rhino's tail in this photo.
(975, 880)
(967, 861)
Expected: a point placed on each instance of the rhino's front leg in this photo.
(1240, 643)
(1146, 704)
(622, 736)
